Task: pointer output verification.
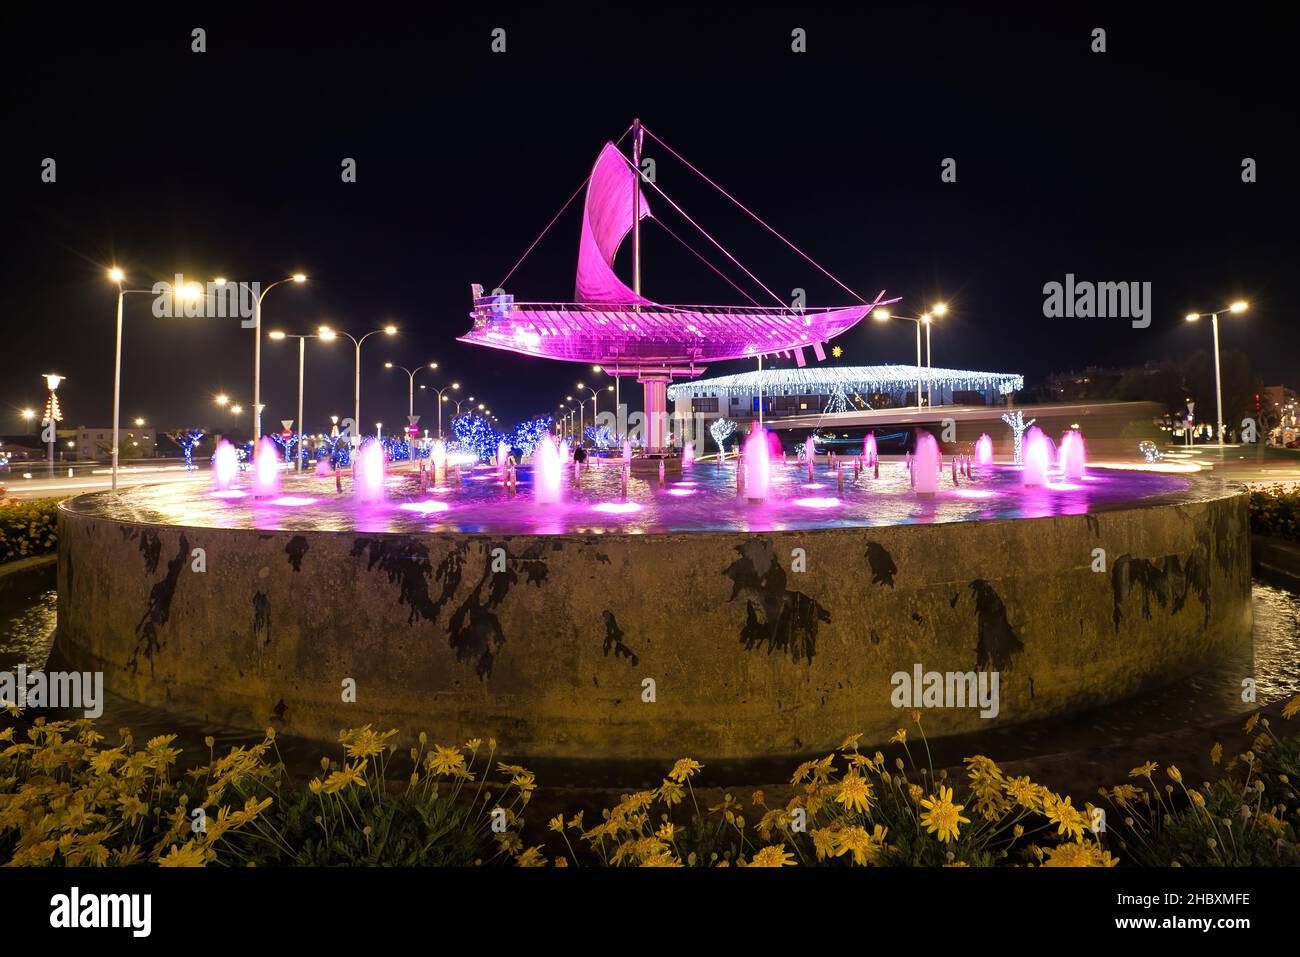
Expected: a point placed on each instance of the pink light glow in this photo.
(812, 485)
(817, 502)
(617, 508)
(225, 466)
(266, 468)
(1063, 486)
(681, 492)
(974, 493)
(229, 493)
(984, 450)
(292, 501)
(424, 508)
(687, 484)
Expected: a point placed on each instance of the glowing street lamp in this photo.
(257, 349)
(326, 332)
(117, 277)
(454, 387)
(302, 359)
(1238, 307)
(882, 314)
(939, 309)
(410, 393)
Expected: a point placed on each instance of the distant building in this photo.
(137, 442)
(1280, 409)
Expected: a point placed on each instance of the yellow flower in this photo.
(1024, 792)
(666, 831)
(1251, 722)
(900, 737)
(1216, 752)
(774, 856)
(1144, 770)
(684, 768)
(864, 847)
(1174, 774)
(1068, 819)
(191, 855)
(364, 742)
(1291, 708)
(445, 761)
(349, 774)
(850, 742)
(532, 857)
(556, 823)
(855, 793)
(1084, 854)
(942, 817)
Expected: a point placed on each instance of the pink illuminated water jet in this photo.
(1073, 455)
(984, 450)
(225, 466)
(546, 472)
(869, 452)
(926, 464)
(266, 469)
(757, 465)
(688, 455)
(368, 479)
(1038, 458)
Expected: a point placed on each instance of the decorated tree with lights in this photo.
(1019, 426)
(476, 436)
(185, 440)
(839, 402)
(526, 435)
(721, 430)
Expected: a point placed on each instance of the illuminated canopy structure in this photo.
(864, 380)
(615, 326)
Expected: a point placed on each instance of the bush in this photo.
(28, 528)
(1275, 511)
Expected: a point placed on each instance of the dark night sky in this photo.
(1118, 166)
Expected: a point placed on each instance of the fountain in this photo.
(266, 469)
(627, 452)
(1038, 458)
(439, 458)
(368, 480)
(688, 455)
(984, 450)
(926, 464)
(1073, 455)
(503, 454)
(225, 466)
(757, 465)
(546, 472)
(869, 452)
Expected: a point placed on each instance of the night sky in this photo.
(1122, 166)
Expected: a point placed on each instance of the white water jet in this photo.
(688, 455)
(984, 450)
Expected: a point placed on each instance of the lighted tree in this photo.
(1018, 425)
(839, 402)
(185, 441)
(721, 430)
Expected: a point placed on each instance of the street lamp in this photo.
(1238, 306)
(939, 309)
(410, 393)
(327, 333)
(117, 277)
(883, 314)
(257, 349)
(455, 387)
(302, 359)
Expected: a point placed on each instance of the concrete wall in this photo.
(749, 657)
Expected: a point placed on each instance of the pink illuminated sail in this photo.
(606, 220)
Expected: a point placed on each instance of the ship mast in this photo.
(636, 212)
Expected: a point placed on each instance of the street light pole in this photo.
(302, 361)
(883, 314)
(327, 332)
(455, 387)
(257, 350)
(1239, 306)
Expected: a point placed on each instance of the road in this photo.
(33, 479)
